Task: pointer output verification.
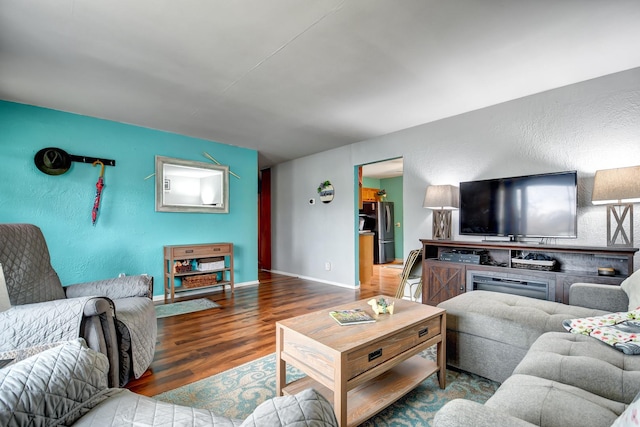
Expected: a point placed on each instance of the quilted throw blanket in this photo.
(41, 323)
(619, 330)
(55, 387)
(140, 326)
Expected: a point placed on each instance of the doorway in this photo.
(380, 211)
(264, 220)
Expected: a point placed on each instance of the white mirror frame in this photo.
(188, 174)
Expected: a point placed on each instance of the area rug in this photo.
(237, 392)
(182, 307)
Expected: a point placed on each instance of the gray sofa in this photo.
(115, 316)
(67, 385)
(549, 377)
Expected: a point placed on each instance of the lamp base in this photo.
(622, 215)
(441, 224)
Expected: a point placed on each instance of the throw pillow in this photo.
(631, 416)
(619, 330)
(54, 387)
(5, 303)
(631, 286)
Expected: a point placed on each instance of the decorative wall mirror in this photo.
(190, 186)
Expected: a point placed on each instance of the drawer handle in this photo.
(216, 249)
(188, 251)
(375, 354)
(423, 332)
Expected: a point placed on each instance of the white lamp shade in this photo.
(621, 185)
(441, 197)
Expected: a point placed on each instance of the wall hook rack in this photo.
(86, 159)
(56, 161)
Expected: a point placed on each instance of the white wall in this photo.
(585, 127)
(306, 236)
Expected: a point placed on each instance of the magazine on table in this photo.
(351, 317)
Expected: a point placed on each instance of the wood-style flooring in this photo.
(197, 345)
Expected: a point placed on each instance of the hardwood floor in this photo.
(197, 345)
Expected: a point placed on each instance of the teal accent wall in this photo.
(393, 186)
(129, 235)
(370, 182)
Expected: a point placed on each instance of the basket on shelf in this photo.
(211, 264)
(182, 266)
(533, 264)
(200, 280)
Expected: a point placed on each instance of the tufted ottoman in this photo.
(489, 333)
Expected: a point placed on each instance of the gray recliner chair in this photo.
(115, 317)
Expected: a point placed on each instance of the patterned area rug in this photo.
(182, 307)
(236, 393)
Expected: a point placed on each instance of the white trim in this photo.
(341, 285)
(194, 292)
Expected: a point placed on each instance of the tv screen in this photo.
(525, 206)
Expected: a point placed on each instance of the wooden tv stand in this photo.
(442, 280)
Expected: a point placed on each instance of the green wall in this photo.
(370, 182)
(393, 186)
(129, 234)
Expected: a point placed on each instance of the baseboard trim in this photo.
(196, 292)
(314, 279)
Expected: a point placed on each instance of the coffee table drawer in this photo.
(379, 352)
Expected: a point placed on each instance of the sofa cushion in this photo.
(543, 402)
(619, 330)
(512, 319)
(585, 363)
(125, 408)
(462, 412)
(631, 286)
(308, 407)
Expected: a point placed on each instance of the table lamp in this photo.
(442, 199)
(618, 189)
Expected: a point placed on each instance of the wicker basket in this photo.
(529, 264)
(182, 268)
(200, 280)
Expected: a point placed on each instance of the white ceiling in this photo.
(384, 169)
(291, 78)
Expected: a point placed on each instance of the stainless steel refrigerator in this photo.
(379, 219)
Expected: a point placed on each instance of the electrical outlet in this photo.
(327, 265)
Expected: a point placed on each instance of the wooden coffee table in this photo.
(362, 368)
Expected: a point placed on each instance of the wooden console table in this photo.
(223, 275)
(442, 280)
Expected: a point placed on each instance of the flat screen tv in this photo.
(524, 206)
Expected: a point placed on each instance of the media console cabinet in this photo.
(442, 280)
